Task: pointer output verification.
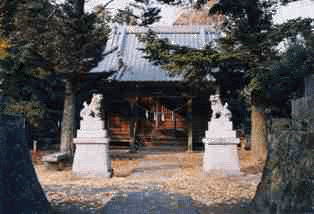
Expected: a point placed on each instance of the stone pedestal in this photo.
(221, 157)
(221, 153)
(92, 157)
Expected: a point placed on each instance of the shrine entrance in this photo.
(164, 116)
(156, 120)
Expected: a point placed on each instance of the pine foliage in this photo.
(247, 50)
(56, 44)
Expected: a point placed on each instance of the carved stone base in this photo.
(221, 158)
(92, 157)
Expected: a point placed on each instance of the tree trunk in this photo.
(20, 191)
(261, 201)
(79, 7)
(258, 132)
(68, 119)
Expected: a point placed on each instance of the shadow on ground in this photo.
(150, 202)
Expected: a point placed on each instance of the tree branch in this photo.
(110, 51)
(108, 3)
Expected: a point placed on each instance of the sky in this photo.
(168, 13)
(303, 8)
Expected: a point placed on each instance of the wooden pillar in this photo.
(105, 113)
(190, 126)
(157, 114)
(133, 123)
(175, 124)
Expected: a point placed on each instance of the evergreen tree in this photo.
(247, 50)
(81, 40)
(252, 34)
(20, 191)
(24, 71)
(139, 12)
(62, 41)
(144, 12)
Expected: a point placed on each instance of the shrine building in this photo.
(143, 99)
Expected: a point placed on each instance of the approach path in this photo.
(151, 183)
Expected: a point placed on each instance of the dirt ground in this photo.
(211, 194)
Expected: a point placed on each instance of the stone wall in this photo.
(288, 179)
(287, 185)
(309, 86)
(302, 108)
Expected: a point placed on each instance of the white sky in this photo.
(168, 13)
(303, 8)
(293, 10)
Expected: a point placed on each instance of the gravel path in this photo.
(162, 183)
(150, 201)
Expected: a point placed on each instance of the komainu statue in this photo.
(92, 110)
(219, 111)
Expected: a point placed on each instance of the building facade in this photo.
(145, 100)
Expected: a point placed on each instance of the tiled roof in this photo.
(139, 69)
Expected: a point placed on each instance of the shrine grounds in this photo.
(153, 181)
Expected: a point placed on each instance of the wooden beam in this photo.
(154, 89)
